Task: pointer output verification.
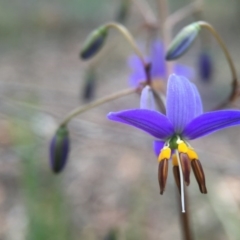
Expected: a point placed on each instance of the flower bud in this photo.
(59, 149)
(122, 11)
(205, 67)
(88, 89)
(94, 42)
(147, 100)
(112, 235)
(182, 42)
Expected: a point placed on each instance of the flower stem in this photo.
(147, 13)
(181, 182)
(234, 91)
(163, 10)
(159, 101)
(182, 13)
(96, 103)
(166, 32)
(124, 31)
(185, 219)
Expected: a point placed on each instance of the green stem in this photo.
(96, 103)
(124, 31)
(163, 11)
(146, 12)
(182, 13)
(166, 32)
(234, 92)
(159, 101)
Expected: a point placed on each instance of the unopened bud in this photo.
(122, 11)
(205, 66)
(94, 42)
(162, 174)
(182, 42)
(59, 149)
(147, 100)
(199, 175)
(112, 235)
(89, 85)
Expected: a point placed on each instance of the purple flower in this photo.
(184, 121)
(158, 66)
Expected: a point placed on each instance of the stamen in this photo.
(192, 154)
(184, 159)
(199, 175)
(165, 153)
(176, 171)
(174, 160)
(182, 147)
(181, 182)
(186, 167)
(163, 158)
(198, 170)
(177, 177)
(162, 174)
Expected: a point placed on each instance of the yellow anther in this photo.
(164, 154)
(182, 147)
(174, 160)
(192, 154)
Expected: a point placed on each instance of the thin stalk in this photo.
(163, 11)
(185, 220)
(166, 32)
(146, 11)
(159, 101)
(96, 103)
(101, 56)
(124, 31)
(234, 92)
(182, 13)
(181, 182)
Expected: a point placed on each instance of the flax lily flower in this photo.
(184, 121)
(158, 67)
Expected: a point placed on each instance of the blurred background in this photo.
(109, 188)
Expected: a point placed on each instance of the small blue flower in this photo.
(184, 121)
(158, 66)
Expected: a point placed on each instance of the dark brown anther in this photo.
(199, 175)
(176, 175)
(186, 167)
(162, 174)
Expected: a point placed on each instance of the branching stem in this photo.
(96, 103)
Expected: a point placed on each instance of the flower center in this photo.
(173, 142)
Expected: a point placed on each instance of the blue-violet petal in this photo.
(152, 122)
(180, 102)
(210, 122)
